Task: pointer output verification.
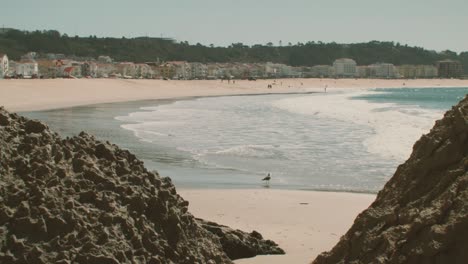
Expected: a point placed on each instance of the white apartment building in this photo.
(27, 69)
(183, 70)
(104, 70)
(417, 71)
(199, 70)
(144, 71)
(322, 71)
(345, 67)
(383, 70)
(272, 70)
(4, 65)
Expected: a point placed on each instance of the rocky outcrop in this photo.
(421, 215)
(78, 200)
(238, 244)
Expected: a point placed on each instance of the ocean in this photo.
(348, 141)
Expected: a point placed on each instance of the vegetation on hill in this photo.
(16, 43)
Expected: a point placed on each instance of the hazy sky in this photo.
(438, 25)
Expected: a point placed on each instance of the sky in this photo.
(435, 25)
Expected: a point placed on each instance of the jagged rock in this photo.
(33, 126)
(78, 200)
(421, 215)
(103, 151)
(4, 119)
(238, 244)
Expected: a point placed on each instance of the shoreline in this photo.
(36, 95)
(154, 102)
(303, 222)
(131, 140)
(161, 101)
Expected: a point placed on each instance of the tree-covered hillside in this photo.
(16, 43)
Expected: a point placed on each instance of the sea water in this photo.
(340, 141)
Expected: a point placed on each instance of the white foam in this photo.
(396, 128)
(144, 132)
(255, 151)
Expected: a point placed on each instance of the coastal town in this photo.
(47, 66)
(233, 132)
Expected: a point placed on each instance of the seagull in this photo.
(267, 179)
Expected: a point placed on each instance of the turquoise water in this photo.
(344, 141)
(431, 98)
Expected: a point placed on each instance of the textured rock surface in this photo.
(238, 244)
(78, 200)
(421, 215)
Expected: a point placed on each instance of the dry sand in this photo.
(303, 230)
(27, 95)
(303, 223)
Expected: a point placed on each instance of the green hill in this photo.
(16, 43)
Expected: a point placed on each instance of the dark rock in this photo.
(421, 215)
(78, 200)
(238, 244)
(78, 164)
(93, 259)
(34, 126)
(103, 151)
(4, 119)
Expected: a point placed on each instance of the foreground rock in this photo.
(238, 244)
(421, 215)
(78, 200)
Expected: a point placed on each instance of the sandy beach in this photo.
(303, 223)
(30, 95)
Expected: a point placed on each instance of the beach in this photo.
(303, 223)
(30, 95)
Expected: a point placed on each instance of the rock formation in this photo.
(78, 200)
(421, 215)
(238, 244)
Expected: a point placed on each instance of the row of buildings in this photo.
(348, 68)
(58, 66)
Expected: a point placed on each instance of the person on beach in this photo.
(326, 85)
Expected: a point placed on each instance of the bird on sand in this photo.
(267, 179)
